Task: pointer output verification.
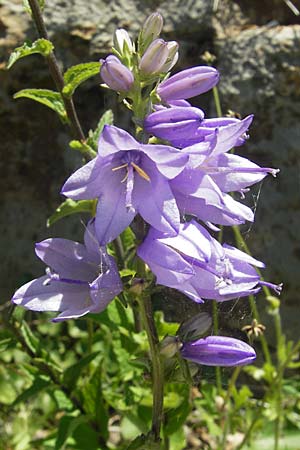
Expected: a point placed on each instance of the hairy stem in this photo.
(56, 72)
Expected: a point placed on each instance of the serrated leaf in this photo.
(41, 46)
(73, 372)
(38, 385)
(76, 75)
(71, 207)
(51, 99)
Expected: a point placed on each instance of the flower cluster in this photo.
(185, 169)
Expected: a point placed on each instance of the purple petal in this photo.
(169, 161)
(236, 254)
(155, 201)
(218, 351)
(113, 139)
(67, 258)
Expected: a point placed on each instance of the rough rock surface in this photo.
(257, 48)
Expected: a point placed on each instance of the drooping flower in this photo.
(218, 351)
(188, 83)
(196, 264)
(117, 76)
(128, 178)
(81, 278)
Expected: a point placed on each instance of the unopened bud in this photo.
(150, 30)
(154, 57)
(172, 56)
(195, 327)
(117, 76)
(169, 346)
(122, 42)
(188, 83)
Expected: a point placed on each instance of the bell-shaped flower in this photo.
(218, 351)
(80, 279)
(196, 264)
(188, 83)
(117, 76)
(128, 178)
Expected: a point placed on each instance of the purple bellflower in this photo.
(117, 76)
(196, 264)
(188, 83)
(128, 178)
(80, 278)
(218, 351)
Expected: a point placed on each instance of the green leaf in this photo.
(176, 417)
(41, 46)
(69, 207)
(73, 372)
(66, 427)
(63, 402)
(47, 97)
(76, 75)
(31, 341)
(83, 147)
(6, 343)
(38, 385)
(106, 119)
(94, 403)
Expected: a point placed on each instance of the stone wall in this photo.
(258, 54)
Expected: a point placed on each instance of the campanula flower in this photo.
(188, 83)
(80, 279)
(218, 351)
(154, 57)
(117, 76)
(128, 178)
(196, 264)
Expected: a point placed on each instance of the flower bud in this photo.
(171, 122)
(172, 57)
(117, 76)
(150, 30)
(169, 346)
(218, 351)
(154, 57)
(195, 327)
(122, 42)
(188, 83)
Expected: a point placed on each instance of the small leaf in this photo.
(47, 97)
(63, 402)
(67, 425)
(6, 343)
(31, 341)
(83, 147)
(38, 385)
(76, 75)
(71, 207)
(73, 372)
(106, 119)
(41, 46)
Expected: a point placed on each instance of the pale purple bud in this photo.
(195, 327)
(188, 83)
(150, 30)
(117, 76)
(122, 42)
(218, 351)
(154, 57)
(172, 57)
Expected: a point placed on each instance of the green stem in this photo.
(157, 368)
(217, 101)
(231, 385)
(56, 72)
(216, 332)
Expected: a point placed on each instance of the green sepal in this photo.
(48, 98)
(69, 207)
(41, 46)
(76, 75)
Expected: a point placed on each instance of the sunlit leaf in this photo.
(76, 75)
(41, 46)
(51, 99)
(69, 207)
